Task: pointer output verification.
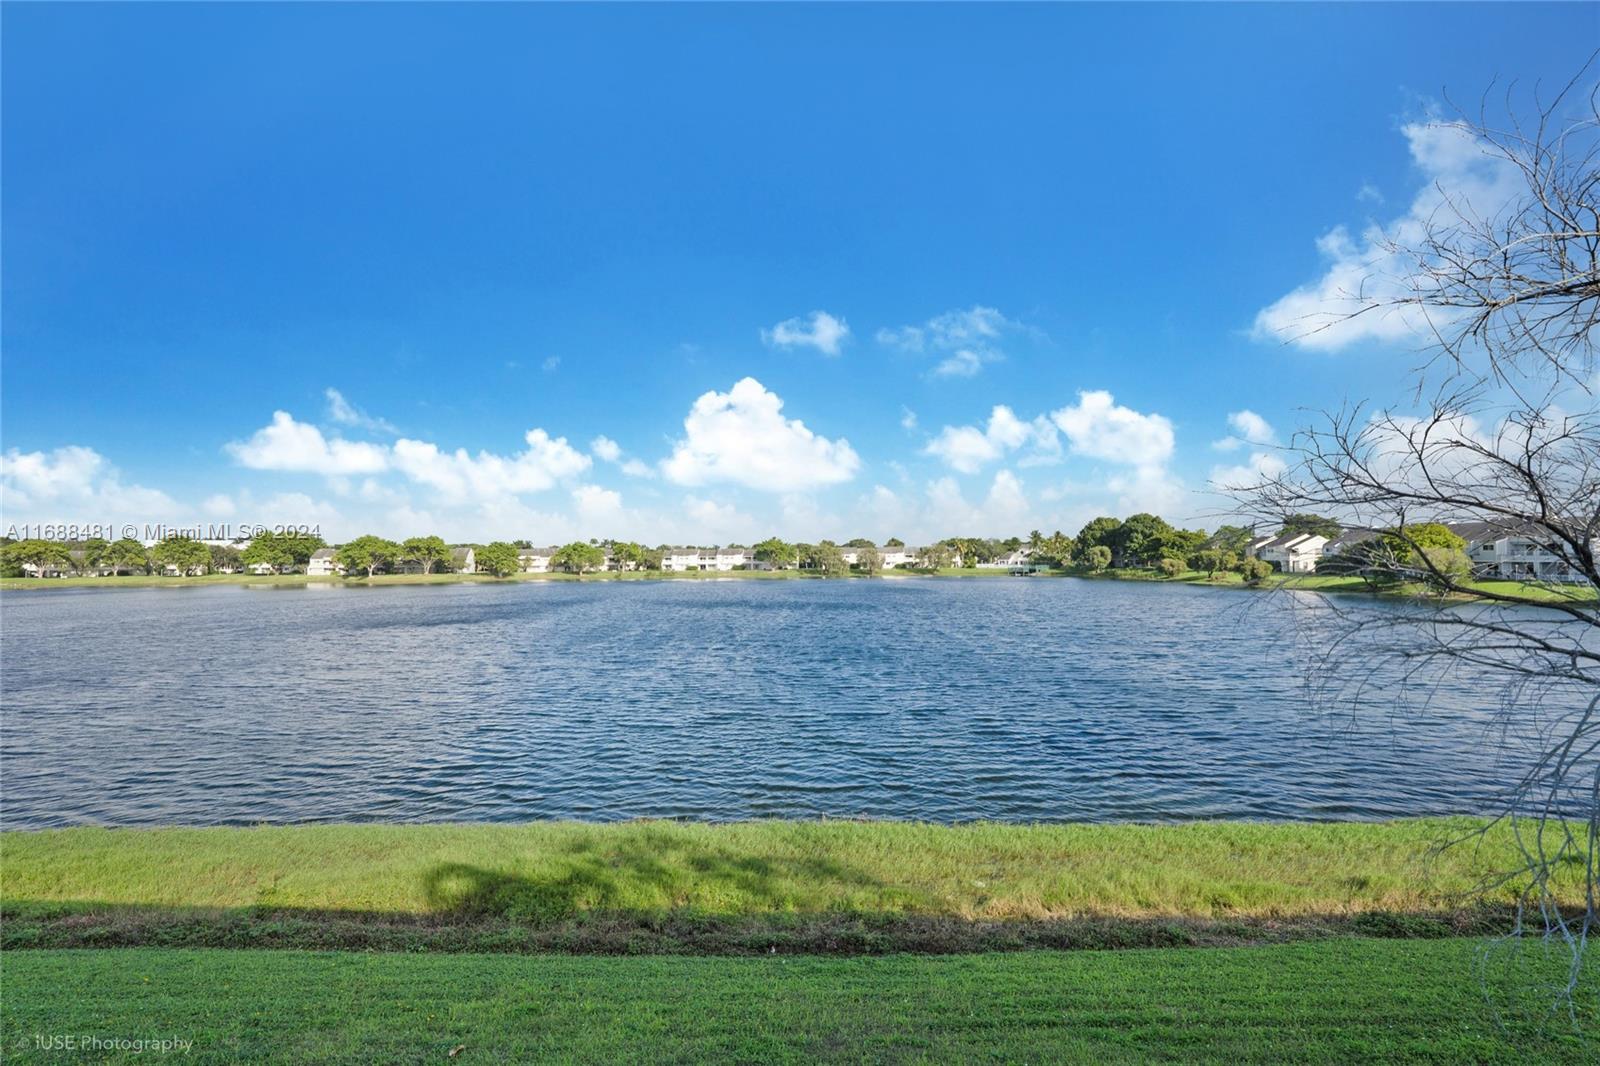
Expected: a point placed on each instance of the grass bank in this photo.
(841, 887)
(1333, 1002)
(154, 581)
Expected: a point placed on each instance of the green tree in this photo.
(1233, 539)
(96, 553)
(1169, 566)
(579, 558)
(1313, 524)
(427, 552)
(1255, 571)
(41, 554)
(1057, 548)
(1097, 533)
(269, 550)
(370, 553)
(1213, 560)
(935, 557)
(499, 558)
(628, 555)
(1097, 558)
(224, 557)
(869, 561)
(1140, 540)
(776, 553)
(828, 558)
(894, 542)
(184, 554)
(127, 554)
(859, 542)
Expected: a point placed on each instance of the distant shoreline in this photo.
(1223, 579)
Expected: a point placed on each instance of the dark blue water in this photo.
(935, 699)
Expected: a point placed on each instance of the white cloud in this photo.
(596, 504)
(459, 475)
(605, 448)
(1097, 427)
(345, 413)
(823, 332)
(300, 446)
(741, 436)
(908, 419)
(551, 364)
(967, 449)
(965, 340)
(1363, 276)
(1248, 428)
(637, 468)
(74, 484)
(964, 363)
(1261, 467)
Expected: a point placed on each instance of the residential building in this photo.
(1293, 553)
(464, 560)
(323, 563)
(684, 559)
(535, 560)
(1514, 553)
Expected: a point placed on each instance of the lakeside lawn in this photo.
(832, 886)
(1331, 1002)
(1223, 579)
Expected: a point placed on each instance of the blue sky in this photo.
(516, 230)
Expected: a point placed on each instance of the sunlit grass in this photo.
(973, 871)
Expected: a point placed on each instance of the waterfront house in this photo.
(323, 563)
(684, 559)
(1293, 553)
(464, 560)
(1514, 553)
(261, 569)
(535, 560)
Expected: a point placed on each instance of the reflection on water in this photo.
(944, 700)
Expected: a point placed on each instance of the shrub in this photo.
(1170, 567)
(1451, 564)
(1255, 570)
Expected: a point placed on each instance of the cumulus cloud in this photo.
(596, 504)
(1260, 468)
(967, 449)
(965, 341)
(1246, 427)
(741, 436)
(460, 475)
(605, 448)
(300, 446)
(1098, 427)
(1363, 276)
(820, 331)
(345, 413)
(74, 484)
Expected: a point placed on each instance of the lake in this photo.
(947, 700)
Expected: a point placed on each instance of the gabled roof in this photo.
(323, 553)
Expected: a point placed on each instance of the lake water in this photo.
(949, 700)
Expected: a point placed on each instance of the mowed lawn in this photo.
(550, 870)
(1340, 1001)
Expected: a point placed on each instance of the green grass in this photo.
(1334, 1002)
(794, 886)
(154, 581)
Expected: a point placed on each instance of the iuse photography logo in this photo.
(107, 1045)
(153, 531)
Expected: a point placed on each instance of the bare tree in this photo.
(1501, 439)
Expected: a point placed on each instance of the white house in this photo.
(323, 563)
(681, 560)
(1293, 553)
(1497, 551)
(535, 560)
(262, 568)
(463, 560)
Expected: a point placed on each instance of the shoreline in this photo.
(806, 887)
(1192, 578)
